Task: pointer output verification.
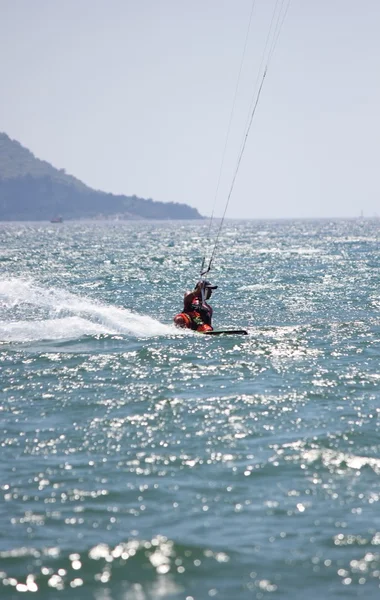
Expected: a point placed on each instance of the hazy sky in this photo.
(135, 96)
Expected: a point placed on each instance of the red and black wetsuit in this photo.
(195, 305)
(196, 315)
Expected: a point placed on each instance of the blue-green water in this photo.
(140, 462)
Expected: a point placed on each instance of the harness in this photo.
(199, 317)
(196, 315)
(202, 311)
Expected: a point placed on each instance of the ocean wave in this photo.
(157, 562)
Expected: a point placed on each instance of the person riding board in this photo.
(197, 313)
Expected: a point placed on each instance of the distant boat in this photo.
(56, 220)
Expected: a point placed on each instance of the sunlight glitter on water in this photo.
(231, 467)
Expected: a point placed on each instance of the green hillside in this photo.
(32, 189)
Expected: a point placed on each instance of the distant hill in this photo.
(32, 189)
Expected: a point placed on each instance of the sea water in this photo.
(143, 462)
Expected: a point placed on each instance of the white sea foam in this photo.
(65, 315)
(49, 329)
(259, 286)
(301, 251)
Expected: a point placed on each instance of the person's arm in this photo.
(188, 300)
(189, 297)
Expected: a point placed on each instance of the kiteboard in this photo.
(225, 332)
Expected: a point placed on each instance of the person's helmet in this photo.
(207, 285)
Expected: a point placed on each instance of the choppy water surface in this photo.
(140, 462)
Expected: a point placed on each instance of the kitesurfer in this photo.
(197, 313)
